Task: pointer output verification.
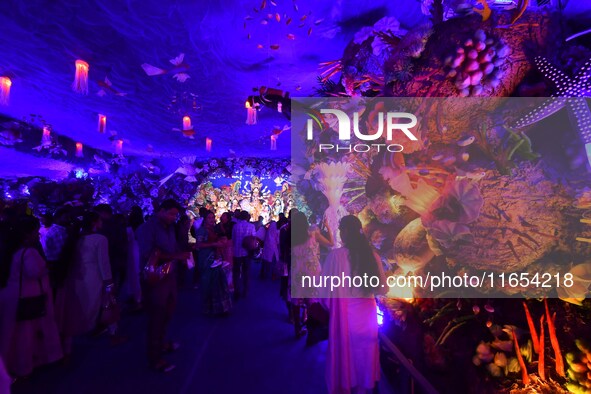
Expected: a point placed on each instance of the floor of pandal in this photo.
(252, 350)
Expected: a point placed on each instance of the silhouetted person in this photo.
(114, 228)
(158, 244)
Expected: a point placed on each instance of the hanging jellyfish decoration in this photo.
(273, 142)
(102, 123)
(186, 123)
(119, 147)
(46, 137)
(79, 151)
(80, 84)
(251, 111)
(208, 144)
(269, 97)
(188, 130)
(5, 84)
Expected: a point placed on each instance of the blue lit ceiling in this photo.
(41, 39)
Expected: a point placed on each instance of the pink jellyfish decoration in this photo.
(80, 84)
(5, 84)
(251, 114)
(79, 147)
(102, 123)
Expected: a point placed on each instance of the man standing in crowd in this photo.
(240, 270)
(157, 237)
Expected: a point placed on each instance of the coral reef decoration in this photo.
(5, 84)
(568, 89)
(476, 64)
(505, 240)
(80, 84)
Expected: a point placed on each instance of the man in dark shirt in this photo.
(158, 234)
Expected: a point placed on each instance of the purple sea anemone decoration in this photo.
(460, 202)
(449, 233)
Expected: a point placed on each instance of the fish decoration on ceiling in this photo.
(183, 103)
(150, 167)
(280, 16)
(570, 93)
(187, 168)
(189, 133)
(179, 71)
(107, 88)
(278, 130)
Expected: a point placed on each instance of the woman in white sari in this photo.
(353, 363)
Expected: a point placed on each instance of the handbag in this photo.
(253, 245)
(110, 311)
(155, 272)
(30, 308)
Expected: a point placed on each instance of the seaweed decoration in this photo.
(485, 11)
(519, 10)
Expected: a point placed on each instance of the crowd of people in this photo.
(69, 273)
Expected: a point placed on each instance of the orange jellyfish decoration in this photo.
(79, 147)
(186, 123)
(46, 137)
(273, 142)
(5, 84)
(119, 147)
(251, 114)
(80, 84)
(102, 123)
(208, 144)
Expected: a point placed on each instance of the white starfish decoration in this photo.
(569, 93)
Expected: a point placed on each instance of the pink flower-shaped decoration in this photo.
(460, 202)
(449, 233)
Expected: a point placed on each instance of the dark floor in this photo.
(251, 351)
